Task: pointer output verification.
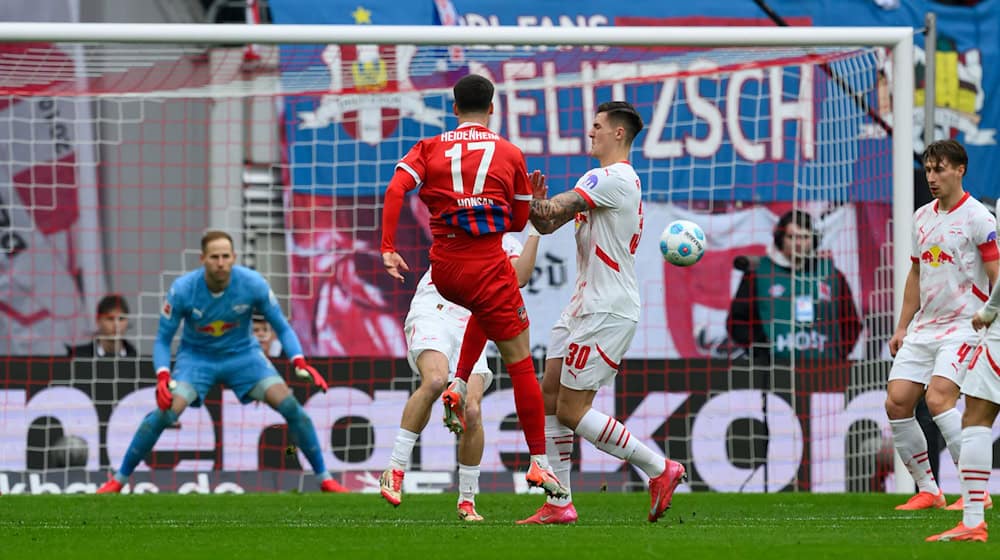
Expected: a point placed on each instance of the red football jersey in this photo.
(471, 180)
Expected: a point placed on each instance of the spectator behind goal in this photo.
(108, 341)
(793, 300)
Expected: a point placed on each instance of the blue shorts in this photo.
(240, 372)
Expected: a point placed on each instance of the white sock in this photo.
(950, 424)
(559, 448)
(910, 443)
(974, 468)
(402, 449)
(613, 438)
(468, 483)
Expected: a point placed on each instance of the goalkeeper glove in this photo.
(164, 398)
(306, 371)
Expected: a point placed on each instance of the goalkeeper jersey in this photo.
(219, 324)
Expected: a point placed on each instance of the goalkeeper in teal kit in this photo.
(216, 303)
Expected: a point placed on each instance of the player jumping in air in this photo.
(434, 331)
(476, 186)
(216, 303)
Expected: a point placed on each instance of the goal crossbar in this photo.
(437, 35)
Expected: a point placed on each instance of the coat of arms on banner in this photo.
(370, 90)
(959, 95)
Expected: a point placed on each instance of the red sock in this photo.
(529, 404)
(472, 347)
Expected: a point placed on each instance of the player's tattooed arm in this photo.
(550, 214)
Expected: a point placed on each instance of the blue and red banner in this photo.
(730, 151)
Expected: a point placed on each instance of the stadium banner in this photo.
(51, 273)
(968, 50)
(64, 423)
(343, 303)
(341, 146)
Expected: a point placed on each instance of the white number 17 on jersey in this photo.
(454, 153)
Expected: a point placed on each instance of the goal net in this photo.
(116, 155)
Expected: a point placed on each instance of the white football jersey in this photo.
(607, 236)
(427, 298)
(950, 249)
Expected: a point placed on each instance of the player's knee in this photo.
(567, 415)
(290, 409)
(434, 383)
(938, 403)
(897, 410)
(473, 413)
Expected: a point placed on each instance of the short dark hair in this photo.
(473, 94)
(950, 150)
(214, 235)
(801, 219)
(111, 302)
(622, 113)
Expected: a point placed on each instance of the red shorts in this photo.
(486, 288)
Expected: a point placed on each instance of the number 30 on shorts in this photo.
(578, 355)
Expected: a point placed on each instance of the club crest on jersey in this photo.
(776, 290)
(240, 308)
(370, 90)
(217, 328)
(936, 256)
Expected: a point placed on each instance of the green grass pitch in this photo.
(613, 526)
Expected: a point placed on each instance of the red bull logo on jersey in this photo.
(936, 256)
(217, 328)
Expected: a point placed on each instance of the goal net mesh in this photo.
(115, 159)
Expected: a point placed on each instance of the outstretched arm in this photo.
(392, 204)
(548, 215)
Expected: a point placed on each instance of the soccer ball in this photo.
(682, 243)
